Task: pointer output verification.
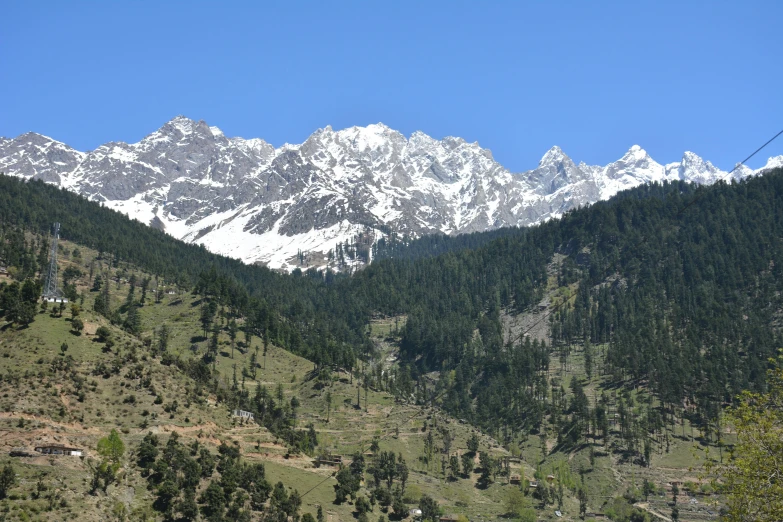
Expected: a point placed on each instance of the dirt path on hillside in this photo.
(72, 426)
(646, 507)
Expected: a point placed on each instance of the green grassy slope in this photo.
(44, 399)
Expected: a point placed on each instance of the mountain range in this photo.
(288, 207)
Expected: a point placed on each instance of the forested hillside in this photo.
(676, 287)
(403, 247)
(668, 293)
(295, 312)
(142, 376)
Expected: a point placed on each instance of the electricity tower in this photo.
(51, 293)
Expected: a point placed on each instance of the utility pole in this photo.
(50, 290)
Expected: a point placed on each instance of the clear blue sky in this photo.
(518, 77)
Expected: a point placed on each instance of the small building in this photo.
(171, 291)
(533, 484)
(59, 449)
(3, 270)
(550, 478)
(415, 513)
(515, 479)
(242, 414)
(56, 299)
(330, 460)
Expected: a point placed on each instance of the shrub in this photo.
(103, 333)
(77, 325)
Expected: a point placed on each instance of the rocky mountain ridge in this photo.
(290, 206)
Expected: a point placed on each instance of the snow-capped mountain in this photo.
(248, 200)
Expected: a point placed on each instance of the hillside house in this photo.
(59, 449)
(244, 415)
(330, 460)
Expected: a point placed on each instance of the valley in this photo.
(41, 405)
(391, 262)
(557, 372)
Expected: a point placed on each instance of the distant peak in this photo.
(419, 136)
(181, 120)
(181, 123)
(35, 137)
(553, 155)
(636, 153)
(772, 163)
(689, 157)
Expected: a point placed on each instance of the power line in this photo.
(756, 151)
(695, 199)
(729, 173)
(312, 488)
(562, 303)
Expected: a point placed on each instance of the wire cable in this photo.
(563, 303)
(696, 198)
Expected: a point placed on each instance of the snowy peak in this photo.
(552, 156)
(555, 172)
(180, 125)
(774, 162)
(693, 168)
(637, 164)
(637, 156)
(33, 155)
(244, 198)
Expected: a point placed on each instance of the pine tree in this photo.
(145, 283)
(163, 338)
(7, 479)
(232, 334)
(133, 320)
(467, 464)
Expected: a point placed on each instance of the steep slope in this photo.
(62, 386)
(677, 312)
(247, 200)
